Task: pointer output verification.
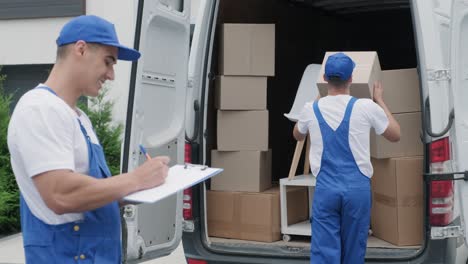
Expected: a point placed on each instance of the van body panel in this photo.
(156, 119)
(199, 61)
(431, 26)
(459, 84)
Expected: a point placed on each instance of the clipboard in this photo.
(179, 178)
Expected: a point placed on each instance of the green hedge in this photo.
(9, 194)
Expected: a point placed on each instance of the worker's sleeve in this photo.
(378, 118)
(45, 139)
(304, 118)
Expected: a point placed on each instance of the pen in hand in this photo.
(143, 150)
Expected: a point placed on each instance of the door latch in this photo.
(439, 75)
(446, 232)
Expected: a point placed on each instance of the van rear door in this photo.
(442, 30)
(459, 88)
(155, 119)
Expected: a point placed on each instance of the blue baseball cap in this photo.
(94, 29)
(339, 65)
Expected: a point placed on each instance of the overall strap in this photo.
(83, 130)
(349, 109)
(318, 114)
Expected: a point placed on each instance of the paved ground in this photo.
(11, 252)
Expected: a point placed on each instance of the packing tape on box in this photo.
(405, 201)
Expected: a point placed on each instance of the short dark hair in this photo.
(62, 51)
(337, 81)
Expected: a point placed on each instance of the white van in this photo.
(171, 102)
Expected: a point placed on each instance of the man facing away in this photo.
(69, 201)
(339, 126)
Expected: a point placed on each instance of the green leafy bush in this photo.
(99, 110)
(9, 194)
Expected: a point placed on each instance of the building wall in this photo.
(32, 41)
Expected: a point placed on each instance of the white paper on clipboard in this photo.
(179, 177)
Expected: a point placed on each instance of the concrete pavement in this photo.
(11, 252)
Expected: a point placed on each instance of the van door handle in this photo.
(427, 121)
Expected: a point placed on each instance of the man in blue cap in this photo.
(339, 126)
(69, 203)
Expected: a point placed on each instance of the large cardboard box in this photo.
(397, 200)
(410, 141)
(242, 215)
(241, 93)
(366, 72)
(247, 49)
(401, 90)
(242, 130)
(245, 171)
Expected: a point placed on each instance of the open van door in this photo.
(459, 87)
(155, 119)
(442, 36)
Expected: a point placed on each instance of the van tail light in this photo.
(196, 261)
(187, 198)
(441, 196)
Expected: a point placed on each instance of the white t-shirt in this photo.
(44, 135)
(365, 115)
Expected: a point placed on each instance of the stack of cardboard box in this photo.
(397, 186)
(241, 204)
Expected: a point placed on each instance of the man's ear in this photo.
(325, 78)
(79, 47)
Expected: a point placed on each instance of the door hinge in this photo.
(439, 75)
(446, 232)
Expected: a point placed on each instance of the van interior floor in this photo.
(304, 241)
(299, 246)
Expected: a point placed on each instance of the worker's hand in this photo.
(378, 92)
(151, 173)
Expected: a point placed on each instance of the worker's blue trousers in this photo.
(342, 199)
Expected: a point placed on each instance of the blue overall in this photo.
(95, 239)
(342, 199)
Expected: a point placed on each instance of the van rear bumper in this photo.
(436, 251)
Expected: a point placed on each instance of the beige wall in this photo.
(32, 41)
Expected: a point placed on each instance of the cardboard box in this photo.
(245, 171)
(401, 90)
(247, 49)
(397, 200)
(410, 141)
(242, 130)
(246, 216)
(241, 93)
(366, 72)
